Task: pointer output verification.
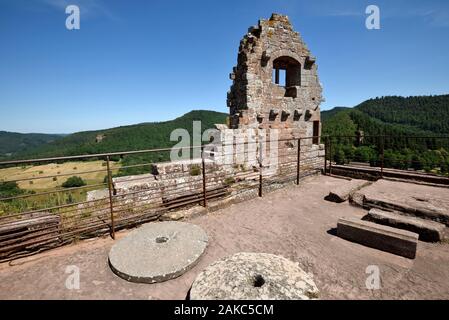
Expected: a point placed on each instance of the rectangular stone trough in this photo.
(397, 241)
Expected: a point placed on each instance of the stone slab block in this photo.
(397, 241)
(428, 230)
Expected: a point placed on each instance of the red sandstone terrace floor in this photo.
(294, 222)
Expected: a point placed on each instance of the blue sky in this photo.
(140, 61)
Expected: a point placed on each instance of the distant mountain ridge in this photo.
(392, 115)
(12, 143)
(326, 114)
(398, 118)
(147, 135)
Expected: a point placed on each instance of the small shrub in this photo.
(75, 168)
(115, 158)
(195, 170)
(41, 172)
(86, 214)
(240, 167)
(9, 189)
(229, 180)
(74, 182)
(55, 179)
(69, 199)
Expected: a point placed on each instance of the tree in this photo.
(417, 162)
(9, 189)
(349, 152)
(339, 157)
(74, 182)
(445, 166)
(391, 158)
(364, 154)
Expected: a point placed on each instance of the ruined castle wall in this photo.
(262, 100)
(275, 95)
(255, 101)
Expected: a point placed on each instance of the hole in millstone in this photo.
(161, 239)
(259, 281)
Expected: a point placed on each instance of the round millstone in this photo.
(254, 276)
(157, 252)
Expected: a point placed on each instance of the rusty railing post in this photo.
(382, 156)
(330, 156)
(326, 145)
(260, 168)
(111, 205)
(203, 165)
(298, 161)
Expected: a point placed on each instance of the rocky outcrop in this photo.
(343, 192)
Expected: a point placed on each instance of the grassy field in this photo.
(68, 169)
(50, 177)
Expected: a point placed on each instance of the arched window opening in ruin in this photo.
(287, 73)
(279, 77)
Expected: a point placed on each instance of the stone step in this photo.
(412, 199)
(417, 208)
(397, 241)
(428, 230)
(344, 191)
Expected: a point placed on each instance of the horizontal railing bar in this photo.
(386, 136)
(58, 175)
(52, 191)
(137, 165)
(94, 226)
(51, 208)
(89, 219)
(124, 153)
(156, 196)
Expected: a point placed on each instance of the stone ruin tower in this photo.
(275, 83)
(275, 86)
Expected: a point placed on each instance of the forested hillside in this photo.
(428, 113)
(396, 117)
(126, 138)
(12, 143)
(400, 119)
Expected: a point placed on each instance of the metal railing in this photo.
(427, 155)
(35, 217)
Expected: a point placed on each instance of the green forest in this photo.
(12, 143)
(415, 130)
(397, 118)
(412, 133)
(142, 136)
